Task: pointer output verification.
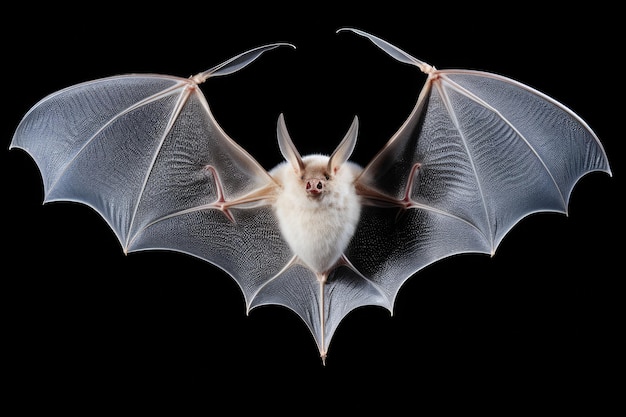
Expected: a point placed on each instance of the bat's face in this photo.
(319, 181)
(313, 181)
(314, 178)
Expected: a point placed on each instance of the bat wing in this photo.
(478, 153)
(146, 153)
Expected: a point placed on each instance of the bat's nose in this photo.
(314, 186)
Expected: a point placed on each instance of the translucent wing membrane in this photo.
(145, 152)
(478, 153)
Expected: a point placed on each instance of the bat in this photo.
(318, 234)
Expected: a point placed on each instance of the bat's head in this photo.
(314, 175)
(317, 173)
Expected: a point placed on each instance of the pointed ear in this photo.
(345, 148)
(287, 148)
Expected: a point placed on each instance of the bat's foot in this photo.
(323, 357)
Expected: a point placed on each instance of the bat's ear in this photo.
(287, 148)
(345, 148)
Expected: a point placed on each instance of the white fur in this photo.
(317, 230)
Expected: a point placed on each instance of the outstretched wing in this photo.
(145, 152)
(477, 154)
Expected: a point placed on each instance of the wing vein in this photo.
(184, 96)
(445, 213)
(288, 265)
(93, 137)
(448, 103)
(168, 216)
(519, 134)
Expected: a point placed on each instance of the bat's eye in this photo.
(327, 177)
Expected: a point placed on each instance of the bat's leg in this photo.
(374, 197)
(321, 278)
(406, 200)
(220, 203)
(256, 198)
(259, 197)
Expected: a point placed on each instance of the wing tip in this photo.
(237, 62)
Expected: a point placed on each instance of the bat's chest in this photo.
(318, 231)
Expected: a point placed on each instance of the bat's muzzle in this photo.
(314, 186)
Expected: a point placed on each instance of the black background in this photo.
(85, 327)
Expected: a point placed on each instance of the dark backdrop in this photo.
(84, 324)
